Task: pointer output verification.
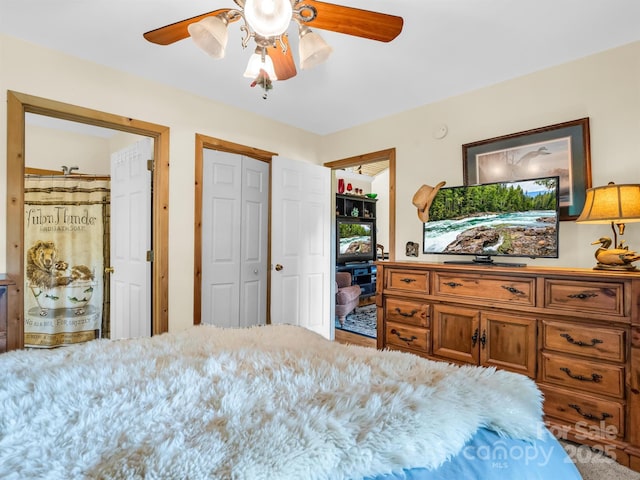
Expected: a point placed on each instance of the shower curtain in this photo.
(66, 251)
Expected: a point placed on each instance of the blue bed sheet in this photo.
(489, 456)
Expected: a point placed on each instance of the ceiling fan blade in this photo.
(178, 31)
(354, 21)
(283, 63)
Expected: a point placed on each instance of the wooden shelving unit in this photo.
(357, 206)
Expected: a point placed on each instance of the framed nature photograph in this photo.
(561, 149)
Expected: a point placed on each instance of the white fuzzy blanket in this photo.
(277, 402)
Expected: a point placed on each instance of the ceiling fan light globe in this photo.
(313, 50)
(256, 64)
(268, 18)
(211, 35)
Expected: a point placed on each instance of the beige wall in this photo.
(604, 87)
(90, 150)
(380, 185)
(50, 149)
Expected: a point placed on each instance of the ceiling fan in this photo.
(266, 21)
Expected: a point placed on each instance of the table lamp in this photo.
(616, 205)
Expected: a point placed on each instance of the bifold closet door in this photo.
(235, 196)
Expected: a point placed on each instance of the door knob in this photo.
(278, 267)
(109, 270)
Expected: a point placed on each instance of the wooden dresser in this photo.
(576, 332)
(5, 282)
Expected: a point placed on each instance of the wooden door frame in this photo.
(379, 156)
(18, 104)
(202, 142)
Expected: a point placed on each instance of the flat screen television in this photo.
(356, 240)
(502, 219)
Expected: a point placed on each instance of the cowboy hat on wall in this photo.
(422, 199)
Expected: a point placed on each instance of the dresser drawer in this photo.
(584, 411)
(586, 340)
(595, 297)
(407, 336)
(592, 377)
(509, 290)
(407, 312)
(406, 280)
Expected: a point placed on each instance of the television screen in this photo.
(356, 240)
(506, 219)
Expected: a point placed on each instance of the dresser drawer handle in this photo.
(407, 280)
(405, 314)
(404, 339)
(590, 416)
(453, 284)
(513, 290)
(580, 343)
(483, 338)
(594, 376)
(583, 296)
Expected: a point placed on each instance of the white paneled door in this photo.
(301, 245)
(130, 241)
(235, 207)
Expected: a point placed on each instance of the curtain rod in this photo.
(73, 176)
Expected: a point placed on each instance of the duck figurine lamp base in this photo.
(614, 258)
(617, 205)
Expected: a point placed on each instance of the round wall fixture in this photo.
(440, 131)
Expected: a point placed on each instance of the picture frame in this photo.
(562, 149)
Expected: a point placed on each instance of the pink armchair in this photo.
(347, 295)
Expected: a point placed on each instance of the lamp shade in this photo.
(256, 63)
(268, 18)
(313, 50)
(611, 203)
(210, 34)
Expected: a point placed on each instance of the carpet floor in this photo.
(595, 466)
(361, 321)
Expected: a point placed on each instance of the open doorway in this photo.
(367, 175)
(19, 105)
(72, 206)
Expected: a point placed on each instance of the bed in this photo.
(270, 402)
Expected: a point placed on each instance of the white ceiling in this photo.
(447, 47)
